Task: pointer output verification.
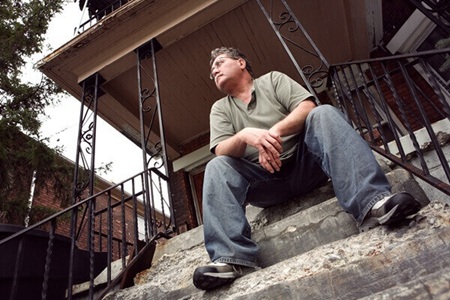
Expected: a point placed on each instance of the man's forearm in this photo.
(233, 146)
(295, 121)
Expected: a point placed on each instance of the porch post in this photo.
(84, 169)
(154, 154)
(85, 151)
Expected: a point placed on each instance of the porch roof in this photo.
(187, 32)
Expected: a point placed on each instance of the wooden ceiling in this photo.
(188, 31)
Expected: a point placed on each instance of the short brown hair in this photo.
(233, 53)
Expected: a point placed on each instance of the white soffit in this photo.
(193, 159)
(411, 34)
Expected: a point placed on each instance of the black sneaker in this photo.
(391, 209)
(215, 275)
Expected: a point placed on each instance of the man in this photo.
(272, 143)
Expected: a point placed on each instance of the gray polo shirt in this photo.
(274, 96)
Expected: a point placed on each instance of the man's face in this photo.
(223, 68)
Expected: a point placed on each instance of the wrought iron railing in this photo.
(306, 57)
(400, 105)
(97, 9)
(59, 263)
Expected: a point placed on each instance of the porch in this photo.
(143, 67)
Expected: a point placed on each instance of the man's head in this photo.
(225, 52)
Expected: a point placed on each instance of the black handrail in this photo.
(395, 103)
(99, 255)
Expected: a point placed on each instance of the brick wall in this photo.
(431, 102)
(183, 201)
(46, 198)
(121, 223)
(194, 144)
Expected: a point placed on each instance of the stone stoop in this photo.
(384, 263)
(317, 248)
(294, 214)
(400, 261)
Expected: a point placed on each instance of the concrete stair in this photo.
(311, 249)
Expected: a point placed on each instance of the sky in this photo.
(61, 124)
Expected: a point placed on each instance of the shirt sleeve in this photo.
(288, 91)
(221, 127)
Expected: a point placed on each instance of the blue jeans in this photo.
(328, 148)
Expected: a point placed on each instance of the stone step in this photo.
(296, 234)
(400, 180)
(295, 226)
(401, 264)
(314, 222)
(430, 286)
(259, 219)
(318, 225)
(323, 223)
(371, 264)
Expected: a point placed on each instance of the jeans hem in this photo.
(369, 206)
(236, 261)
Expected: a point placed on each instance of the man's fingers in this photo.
(275, 144)
(274, 150)
(277, 141)
(269, 162)
(265, 163)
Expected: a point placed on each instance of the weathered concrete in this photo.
(402, 181)
(397, 264)
(298, 228)
(278, 212)
(433, 286)
(259, 218)
(436, 170)
(359, 266)
(306, 230)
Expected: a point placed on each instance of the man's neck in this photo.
(243, 91)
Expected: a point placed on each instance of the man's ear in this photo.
(242, 63)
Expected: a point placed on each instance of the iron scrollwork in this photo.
(154, 154)
(86, 136)
(145, 95)
(149, 108)
(149, 104)
(287, 22)
(155, 159)
(314, 74)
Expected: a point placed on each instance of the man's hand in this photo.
(269, 146)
